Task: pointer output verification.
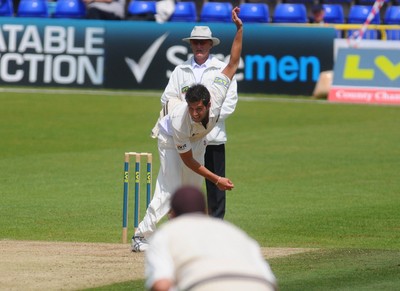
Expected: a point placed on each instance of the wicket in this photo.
(125, 208)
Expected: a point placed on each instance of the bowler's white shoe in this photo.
(139, 244)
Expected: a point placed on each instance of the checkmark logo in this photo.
(139, 69)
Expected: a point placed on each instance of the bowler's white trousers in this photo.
(173, 174)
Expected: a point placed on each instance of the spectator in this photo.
(105, 9)
(201, 68)
(193, 250)
(318, 14)
(15, 6)
(163, 11)
(183, 126)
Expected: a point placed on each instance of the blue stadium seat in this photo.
(346, 4)
(392, 16)
(307, 3)
(254, 12)
(290, 13)
(6, 8)
(333, 13)
(216, 12)
(142, 9)
(184, 11)
(358, 14)
(342, 2)
(299, 1)
(33, 8)
(70, 9)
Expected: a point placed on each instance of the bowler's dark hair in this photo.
(198, 93)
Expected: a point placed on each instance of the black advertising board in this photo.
(276, 59)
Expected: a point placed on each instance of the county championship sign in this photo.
(366, 76)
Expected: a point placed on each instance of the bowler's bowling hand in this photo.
(224, 184)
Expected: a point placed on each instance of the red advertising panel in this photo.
(365, 95)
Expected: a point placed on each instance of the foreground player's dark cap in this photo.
(188, 199)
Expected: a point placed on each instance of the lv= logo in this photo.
(353, 70)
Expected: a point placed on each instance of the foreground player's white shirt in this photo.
(195, 249)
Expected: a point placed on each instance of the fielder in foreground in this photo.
(183, 127)
(230, 260)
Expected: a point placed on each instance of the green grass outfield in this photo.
(307, 174)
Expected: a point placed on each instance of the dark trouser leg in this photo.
(215, 162)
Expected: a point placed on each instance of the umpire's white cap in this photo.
(202, 32)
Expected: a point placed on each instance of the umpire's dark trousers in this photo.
(215, 161)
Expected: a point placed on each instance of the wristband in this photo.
(219, 178)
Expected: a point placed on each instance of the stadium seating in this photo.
(184, 11)
(70, 9)
(358, 14)
(216, 12)
(346, 4)
(254, 12)
(333, 13)
(392, 16)
(309, 4)
(33, 8)
(6, 8)
(141, 10)
(299, 1)
(290, 13)
(368, 2)
(341, 2)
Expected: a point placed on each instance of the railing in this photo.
(381, 28)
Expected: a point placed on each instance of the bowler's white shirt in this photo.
(181, 126)
(185, 76)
